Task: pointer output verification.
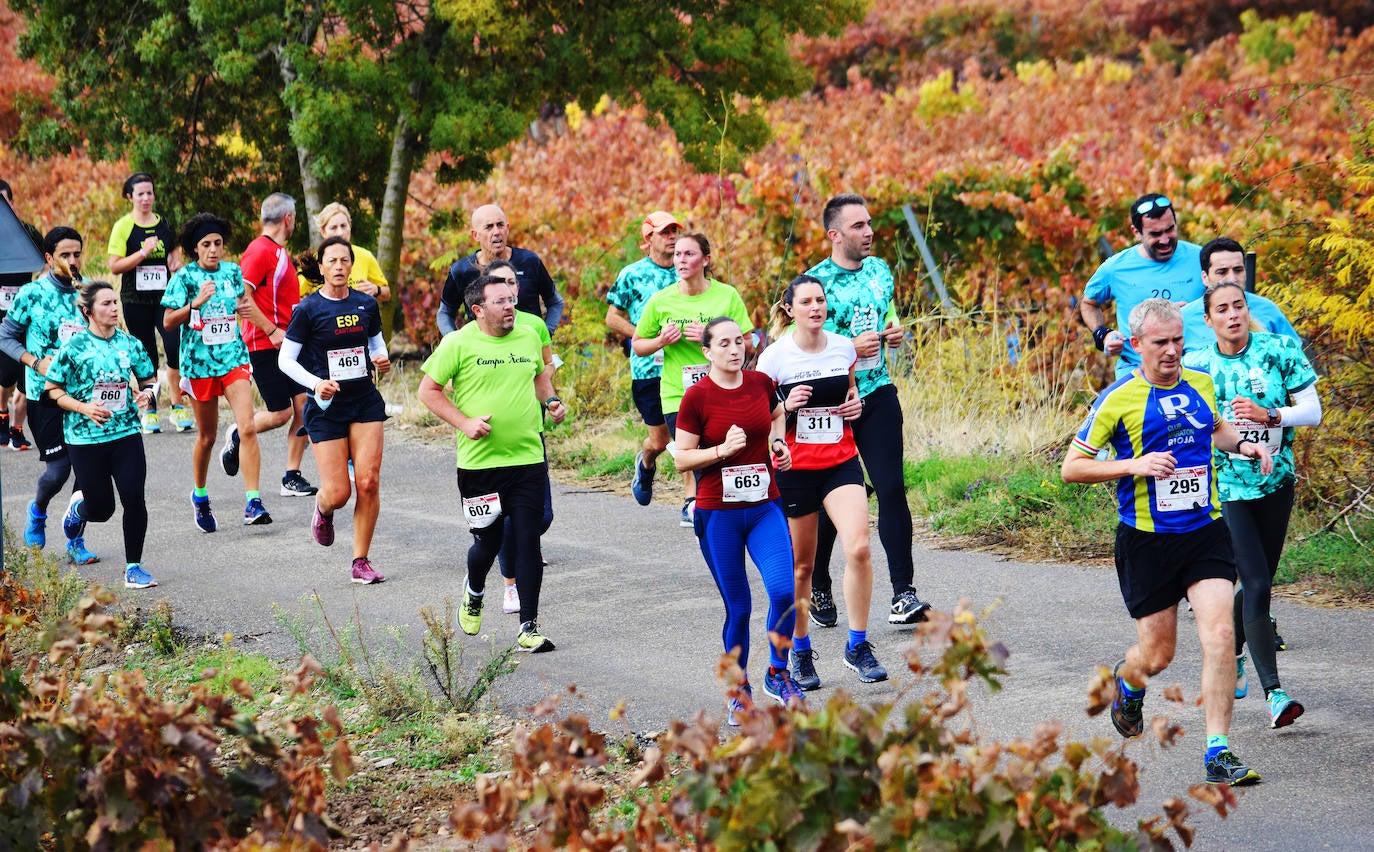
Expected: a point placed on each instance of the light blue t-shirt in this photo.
(1197, 334)
(1127, 278)
(632, 289)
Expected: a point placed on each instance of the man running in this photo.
(1161, 422)
(858, 292)
(499, 383)
(271, 279)
(491, 230)
(633, 287)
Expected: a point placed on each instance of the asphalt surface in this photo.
(629, 602)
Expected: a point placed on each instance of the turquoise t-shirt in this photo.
(94, 369)
(683, 362)
(216, 347)
(631, 290)
(1269, 371)
(859, 300)
(47, 310)
(1128, 279)
(493, 375)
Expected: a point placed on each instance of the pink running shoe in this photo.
(363, 572)
(322, 526)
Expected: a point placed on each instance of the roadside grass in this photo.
(1341, 557)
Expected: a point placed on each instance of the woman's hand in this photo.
(98, 414)
(796, 398)
(693, 331)
(669, 335)
(852, 407)
(326, 389)
(782, 454)
(734, 441)
(207, 292)
(382, 363)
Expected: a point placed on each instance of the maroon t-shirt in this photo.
(708, 410)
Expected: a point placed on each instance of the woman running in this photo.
(89, 380)
(670, 329)
(333, 347)
(143, 253)
(366, 277)
(207, 296)
(1264, 387)
(814, 371)
(726, 426)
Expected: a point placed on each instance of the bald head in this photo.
(490, 230)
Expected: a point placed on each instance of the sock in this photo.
(801, 643)
(774, 669)
(253, 495)
(130, 566)
(1130, 688)
(857, 636)
(201, 492)
(1216, 744)
(474, 594)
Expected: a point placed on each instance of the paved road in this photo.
(634, 613)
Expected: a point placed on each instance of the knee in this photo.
(1155, 660)
(1220, 638)
(859, 554)
(98, 513)
(367, 482)
(656, 443)
(335, 497)
(277, 418)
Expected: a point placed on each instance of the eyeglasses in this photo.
(1160, 203)
(499, 303)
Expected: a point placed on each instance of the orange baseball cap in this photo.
(657, 221)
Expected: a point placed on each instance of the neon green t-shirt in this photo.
(683, 362)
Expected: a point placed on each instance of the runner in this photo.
(499, 381)
(206, 296)
(672, 323)
(1265, 386)
(366, 277)
(729, 420)
(142, 252)
(814, 372)
(333, 346)
(43, 317)
(1161, 422)
(89, 380)
(14, 406)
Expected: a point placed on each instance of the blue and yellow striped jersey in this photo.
(1135, 418)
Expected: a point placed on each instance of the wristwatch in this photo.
(1273, 415)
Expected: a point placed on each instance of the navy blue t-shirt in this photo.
(536, 285)
(333, 335)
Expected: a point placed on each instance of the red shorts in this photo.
(204, 390)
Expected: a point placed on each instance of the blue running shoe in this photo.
(780, 686)
(73, 525)
(803, 665)
(1128, 710)
(1242, 682)
(860, 658)
(1226, 768)
(1283, 711)
(136, 578)
(36, 530)
(205, 520)
(78, 554)
(642, 486)
(229, 454)
(740, 706)
(255, 514)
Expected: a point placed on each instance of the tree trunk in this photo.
(391, 228)
(313, 188)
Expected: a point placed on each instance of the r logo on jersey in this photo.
(1177, 405)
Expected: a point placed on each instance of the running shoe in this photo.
(470, 612)
(152, 424)
(322, 526)
(136, 578)
(823, 610)
(1128, 710)
(803, 666)
(907, 608)
(1226, 768)
(530, 639)
(739, 706)
(17, 441)
(860, 658)
(204, 519)
(295, 485)
(510, 602)
(255, 514)
(779, 686)
(687, 506)
(229, 454)
(1283, 711)
(73, 525)
(642, 486)
(36, 529)
(363, 572)
(1242, 682)
(78, 554)
(352, 477)
(1279, 644)
(182, 421)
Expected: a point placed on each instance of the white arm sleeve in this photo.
(286, 360)
(1306, 409)
(376, 346)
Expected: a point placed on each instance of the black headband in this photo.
(209, 226)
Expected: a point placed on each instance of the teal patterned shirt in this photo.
(216, 347)
(94, 369)
(47, 310)
(1268, 371)
(859, 300)
(632, 288)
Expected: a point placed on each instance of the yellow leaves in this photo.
(575, 117)
(602, 105)
(938, 98)
(1037, 73)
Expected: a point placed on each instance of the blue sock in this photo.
(857, 636)
(1216, 744)
(801, 643)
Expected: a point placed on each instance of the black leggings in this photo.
(878, 435)
(102, 469)
(521, 489)
(145, 323)
(1258, 528)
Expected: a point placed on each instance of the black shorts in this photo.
(331, 424)
(276, 388)
(803, 491)
(517, 485)
(11, 371)
(1156, 570)
(671, 420)
(145, 323)
(45, 419)
(648, 401)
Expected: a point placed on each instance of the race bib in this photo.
(150, 278)
(482, 511)
(693, 373)
(216, 330)
(1258, 433)
(345, 364)
(819, 426)
(866, 319)
(744, 483)
(1185, 488)
(7, 295)
(67, 329)
(113, 396)
(658, 358)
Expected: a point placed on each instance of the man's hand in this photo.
(476, 428)
(557, 411)
(1154, 464)
(868, 344)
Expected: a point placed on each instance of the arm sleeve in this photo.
(376, 346)
(444, 318)
(12, 336)
(1306, 409)
(287, 361)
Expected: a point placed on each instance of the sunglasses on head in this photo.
(1160, 203)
